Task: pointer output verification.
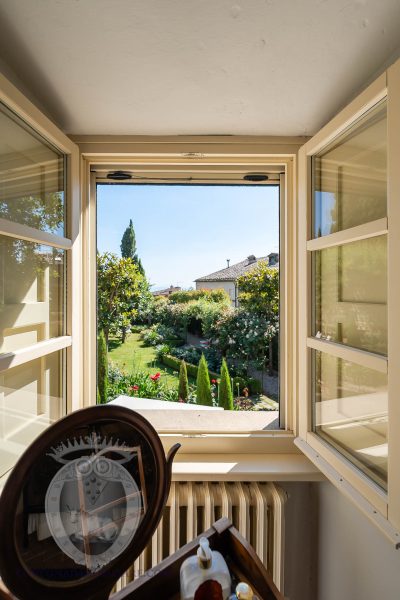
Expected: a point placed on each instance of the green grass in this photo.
(132, 356)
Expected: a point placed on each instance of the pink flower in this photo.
(155, 377)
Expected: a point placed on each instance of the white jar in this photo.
(206, 566)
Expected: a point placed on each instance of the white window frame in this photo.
(212, 155)
(21, 106)
(382, 507)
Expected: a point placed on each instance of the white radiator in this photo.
(255, 509)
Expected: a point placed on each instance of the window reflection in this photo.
(349, 177)
(351, 408)
(350, 294)
(31, 293)
(31, 177)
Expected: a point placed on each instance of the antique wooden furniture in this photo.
(162, 582)
(81, 504)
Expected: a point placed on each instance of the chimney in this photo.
(228, 260)
(251, 259)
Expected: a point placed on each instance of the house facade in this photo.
(226, 279)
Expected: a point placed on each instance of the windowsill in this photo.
(167, 418)
(244, 467)
(221, 445)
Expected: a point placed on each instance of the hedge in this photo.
(253, 385)
(175, 363)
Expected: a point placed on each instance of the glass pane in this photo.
(350, 287)
(31, 398)
(31, 293)
(350, 411)
(349, 177)
(31, 177)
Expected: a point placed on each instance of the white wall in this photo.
(355, 560)
(228, 286)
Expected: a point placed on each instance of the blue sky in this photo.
(185, 232)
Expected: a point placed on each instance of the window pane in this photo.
(31, 177)
(350, 411)
(32, 396)
(350, 287)
(349, 177)
(31, 293)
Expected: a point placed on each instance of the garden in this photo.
(192, 346)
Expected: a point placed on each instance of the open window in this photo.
(348, 283)
(37, 257)
(202, 170)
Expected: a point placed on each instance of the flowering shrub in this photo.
(142, 385)
(157, 334)
(245, 335)
(182, 316)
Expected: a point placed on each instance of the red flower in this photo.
(213, 381)
(134, 388)
(155, 377)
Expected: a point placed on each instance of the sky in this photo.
(187, 231)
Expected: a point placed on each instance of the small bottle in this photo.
(207, 571)
(243, 592)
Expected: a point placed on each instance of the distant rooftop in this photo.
(167, 291)
(232, 272)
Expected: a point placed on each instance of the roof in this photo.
(167, 291)
(233, 272)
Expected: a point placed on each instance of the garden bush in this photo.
(161, 350)
(254, 386)
(185, 296)
(141, 385)
(203, 387)
(158, 334)
(175, 363)
(183, 388)
(102, 369)
(192, 354)
(225, 397)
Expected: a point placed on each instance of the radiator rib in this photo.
(255, 509)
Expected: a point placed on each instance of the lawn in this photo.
(132, 356)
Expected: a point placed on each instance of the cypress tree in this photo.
(140, 266)
(128, 246)
(203, 383)
(183, 390)
(128, 243)
(102, 369)
(225, 396)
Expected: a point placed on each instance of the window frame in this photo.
(21, 106)
(381, 506)
(207, 154)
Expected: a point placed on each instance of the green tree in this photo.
(120, 290)
(183, 389)
(225, 397)
(128, 243)
(259, 291)
(259, 294)
(102, 369)
(203, 383)
(128, 246)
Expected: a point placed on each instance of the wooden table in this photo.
(162, 582)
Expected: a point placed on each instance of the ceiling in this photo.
(167, 67)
